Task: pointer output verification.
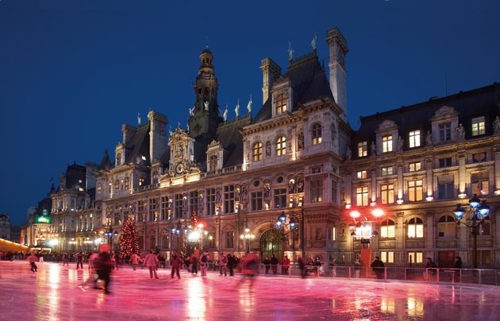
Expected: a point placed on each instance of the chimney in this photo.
(157, 135)
(338, 78)
(270, 73)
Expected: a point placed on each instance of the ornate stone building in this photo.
(298, 159)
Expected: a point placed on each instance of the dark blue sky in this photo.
(71, 72)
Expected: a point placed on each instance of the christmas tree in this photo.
(128, 239)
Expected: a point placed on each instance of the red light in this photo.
(378, 212)
(354, 214)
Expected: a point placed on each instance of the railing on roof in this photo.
(225, 170)
(146, 187)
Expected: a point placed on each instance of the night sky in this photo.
(72, 72)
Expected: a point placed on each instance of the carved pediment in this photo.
(445, 112)
(387, 125)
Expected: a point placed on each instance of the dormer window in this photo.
(316, 134)
(363, 149)
(281, 146)
(478, 126)
(257, 151)
(212, 166)
(386, 143)
(281, 102)
(444, 131)
(414, 138)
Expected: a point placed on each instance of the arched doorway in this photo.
(271, 243)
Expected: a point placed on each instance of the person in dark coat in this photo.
(378, 267)
(103, 266)
(274, 264)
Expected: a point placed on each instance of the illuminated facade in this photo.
(299, 157)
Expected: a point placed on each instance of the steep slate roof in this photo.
(138, 145)
(478, 102)
(229, 135)
(308, 81)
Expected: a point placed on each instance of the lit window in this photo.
(387, 144)
(257, 151)
(281, 146)
(478, 126)
(415, 190)
(415, 257)
(229, 199)
(280, 198)
(415, 228)
(387, 257)
(388, 229)
(387, 193)
(362, 196)
(386, 171)
(447, 226)
(212, 163)
(446, 187)
(444, 132)
(415, 166)
(480, 184)
(316, 134)
(414, 138)
(281, 100)
(363, 149)
(361, 174)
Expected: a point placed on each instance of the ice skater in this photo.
(175, 263)
(32, 259)
(249, 268)
(151, 262)
(104, 266)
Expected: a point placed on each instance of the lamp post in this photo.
(292, 224)
(247, 236)
(478, 211)
(110, 234)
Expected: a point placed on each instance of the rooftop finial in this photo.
(290, 52)
(314, 42)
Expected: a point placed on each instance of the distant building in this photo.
(297, 162)
(4, 226)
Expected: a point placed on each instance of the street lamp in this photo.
(364, 225)
(110, 234)
(247, 236)
(478, 211)
(281, 225)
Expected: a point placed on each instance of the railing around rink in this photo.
(437, 275)
(418, 274)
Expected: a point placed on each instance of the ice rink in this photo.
(55, 293)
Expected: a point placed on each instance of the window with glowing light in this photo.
(316, 134)
(388, 229)
(281, 102)
(415, 167)
(415, 228)
(479, 183)
(386, 143)
(257, 152)
(212, 163)
(281, 146)
(447, 227)
(361, 174)
(478, 126)
(256, 200)
(415, 190)
(414, 138)
(362, 196)
(363, 149)
(229, 199)
(386, 171)
(415, 257)
(316, 187)
(387, 256)
(152, 209)
(387, 193)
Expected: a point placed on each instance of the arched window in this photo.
(257, 151)
(316, 134)
(388, 229)
(447, 227)
(281, 146)
(415, 228)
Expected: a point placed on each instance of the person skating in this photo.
(175, 264)
(32, 259)
(103, 266)
(151, 262)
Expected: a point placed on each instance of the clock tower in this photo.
(204, 118)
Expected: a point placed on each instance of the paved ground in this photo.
(54, 294)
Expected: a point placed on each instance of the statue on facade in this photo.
(290, 52)
(314, 42)
(496, 126)
(225, 114)
(237, 109)
(249, 105)
(373, 149)
(460, 132)
(428, 138)
(205, 104)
